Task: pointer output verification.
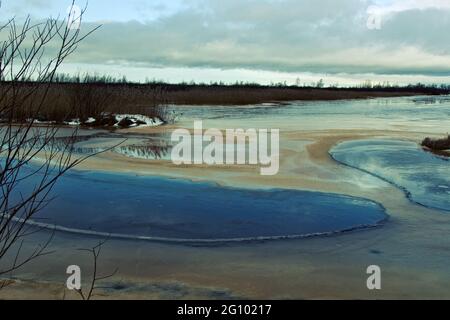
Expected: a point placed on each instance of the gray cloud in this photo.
(325, 36)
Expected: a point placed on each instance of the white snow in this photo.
(134, 118)
(73, 122)
(149, 122)
(90, 120)
(35, 121)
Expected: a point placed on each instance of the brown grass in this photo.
(64, 102)
(80, 100)
(437, 144)
(244, 96)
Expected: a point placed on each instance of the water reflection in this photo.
(147, 152)
(183, 211)
(149, 147)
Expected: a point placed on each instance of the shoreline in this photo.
(312, 268)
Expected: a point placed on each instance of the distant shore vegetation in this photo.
(84, 97)
(438, 146)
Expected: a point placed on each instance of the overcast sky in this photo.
(342, 41)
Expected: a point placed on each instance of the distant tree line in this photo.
(366, 85)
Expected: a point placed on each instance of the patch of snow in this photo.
(136, 120)
(36, 121)
(73, 122)
(90, 120)
(148, 122)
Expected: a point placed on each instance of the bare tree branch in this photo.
(26, 75)
(95, 251)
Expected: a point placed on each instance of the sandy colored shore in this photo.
(411, 248)
(305, 163)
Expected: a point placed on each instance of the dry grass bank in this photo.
(82, 99)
